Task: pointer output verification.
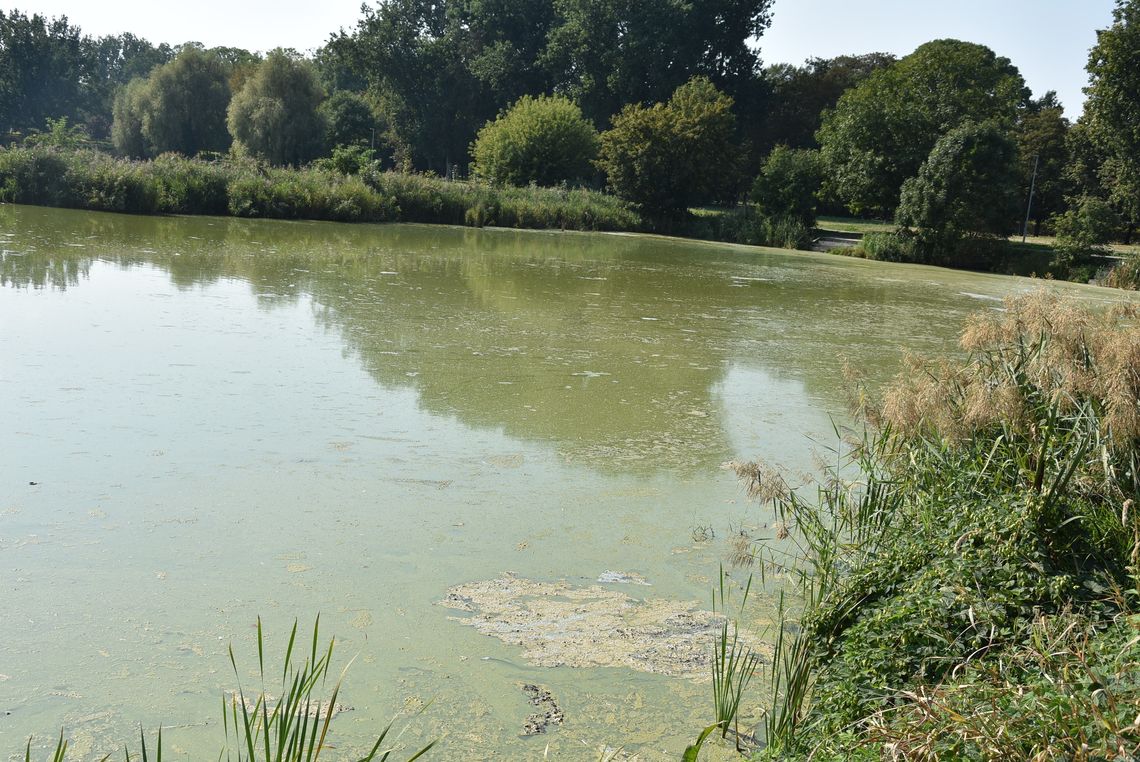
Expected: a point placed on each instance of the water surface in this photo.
(206, 420)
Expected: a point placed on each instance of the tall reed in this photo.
(969, 573)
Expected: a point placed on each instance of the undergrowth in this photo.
(969, 579)
(86, 179)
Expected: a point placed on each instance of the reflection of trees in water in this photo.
(20, 270)
(610, 347)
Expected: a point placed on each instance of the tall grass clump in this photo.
(188, 186)
(887, 247)
(1126, 274)
(733, 665)
(258, 191)
(170, 184)
(746, 224)
(294, 726)
(969, 577)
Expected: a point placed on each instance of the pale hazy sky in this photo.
(1047, 39)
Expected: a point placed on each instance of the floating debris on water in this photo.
(313, 710)
(622, 578)
(563, 625)
(549, 713)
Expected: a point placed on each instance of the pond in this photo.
(407, 430)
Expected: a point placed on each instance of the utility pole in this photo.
(1029, 205)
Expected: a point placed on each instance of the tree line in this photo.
(666, 104)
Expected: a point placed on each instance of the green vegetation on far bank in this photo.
(170, 184)
(242, 188)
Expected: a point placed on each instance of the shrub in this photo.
(185, 186)
(111, 185)
(1126, 274)
(1084, 230)
(349, 160)
(673, 155)
(543, 140)
(34, 176)
(745, 224)
(889, 247)
(788, 184)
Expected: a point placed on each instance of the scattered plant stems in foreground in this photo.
(294, 727)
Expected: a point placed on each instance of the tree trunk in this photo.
(1128, 233)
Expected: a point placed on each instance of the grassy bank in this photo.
(174, 185)
(975, 592)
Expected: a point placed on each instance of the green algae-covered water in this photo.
(207, 420)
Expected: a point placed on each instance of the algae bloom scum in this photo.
(470, 451)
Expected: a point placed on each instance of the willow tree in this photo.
(275, 116)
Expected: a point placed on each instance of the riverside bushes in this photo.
(174, 185)
(974, 593)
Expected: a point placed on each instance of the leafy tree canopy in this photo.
(799, 95)
(182, 108)
(1113, 106)
(437, 71)
(967, 188)
(609, 53)
(41, 70)
(1042, 134)
(349, 120)
(881, 131)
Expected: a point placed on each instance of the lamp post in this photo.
(1029, 204)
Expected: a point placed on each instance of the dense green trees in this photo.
(1085, 228)
(1113, 108)
(41, 70)
(412, 55)
(438, 71)
(799, 96)
(180, 107)
(670, 156)
(275, 117)
(48, 69)
(543, 140)
(349, 120)
(881, 131)
(966, 189)
(609, 53)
